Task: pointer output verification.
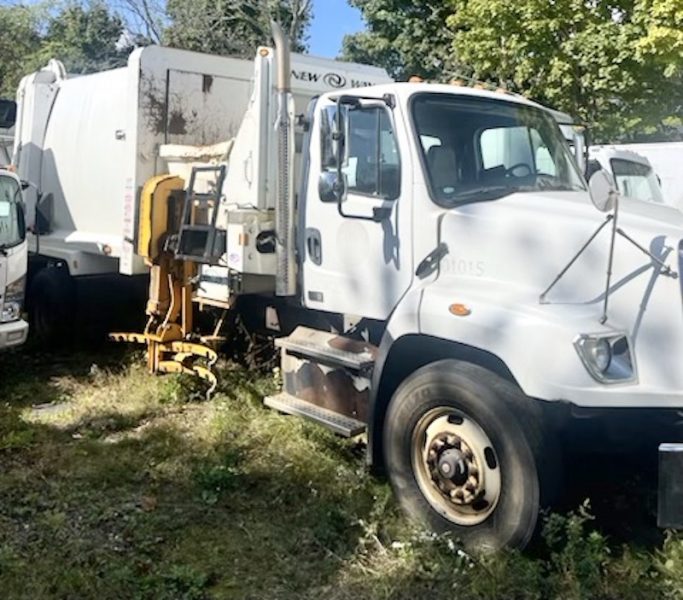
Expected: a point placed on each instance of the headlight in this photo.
(13, 301)
(607, 357)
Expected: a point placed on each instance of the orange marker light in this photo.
(459, 310)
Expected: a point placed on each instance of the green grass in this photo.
(116, 484)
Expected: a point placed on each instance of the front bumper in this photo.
(13, 334)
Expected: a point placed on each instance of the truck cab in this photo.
(633, 174)
(13, 260)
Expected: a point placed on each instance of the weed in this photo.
(117, 484)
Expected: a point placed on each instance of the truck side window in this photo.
(636, 180)
(372, 165)
(505, 146)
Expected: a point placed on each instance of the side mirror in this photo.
(602, 190)
(330, 187)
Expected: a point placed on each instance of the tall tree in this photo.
(234, 27)
(19, 38)
(407, 37)
(145, 20)
(84, 37)
(615, 64)
(601, 60)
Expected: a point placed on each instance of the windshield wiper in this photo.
(491, 192)
(552, 183)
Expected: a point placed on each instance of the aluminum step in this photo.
(330, 348)
(340, 424)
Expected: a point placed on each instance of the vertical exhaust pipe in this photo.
(284, 204)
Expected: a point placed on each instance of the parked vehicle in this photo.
(13, 330)
(428, 257)
(633, 174)
(666, 159)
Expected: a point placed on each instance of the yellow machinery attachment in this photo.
(169, 330)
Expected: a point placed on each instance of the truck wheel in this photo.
(465, 453)
(51, 306)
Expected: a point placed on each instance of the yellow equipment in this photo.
(171, 345)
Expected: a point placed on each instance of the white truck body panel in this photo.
(502, 255)
(91, 142)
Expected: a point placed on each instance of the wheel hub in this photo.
(453, 468)
(456, 466)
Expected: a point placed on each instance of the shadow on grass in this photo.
(224, 499)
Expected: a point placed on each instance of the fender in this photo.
(505, 330)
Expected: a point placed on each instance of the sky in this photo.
(332, 20)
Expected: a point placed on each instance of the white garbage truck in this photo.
(435, 270)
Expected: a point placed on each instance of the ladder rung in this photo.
(291, 405)
(317, 346)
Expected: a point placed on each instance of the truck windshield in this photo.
(477, 148)
(11, 216)
(636, 180)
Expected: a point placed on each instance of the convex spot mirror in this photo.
(602, 190)
(330, 187)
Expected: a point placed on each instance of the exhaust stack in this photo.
(284, 204)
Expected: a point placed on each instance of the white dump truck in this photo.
(429, 258)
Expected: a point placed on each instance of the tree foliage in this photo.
(615, 64)
(603, 61)
(85, 37)
(407, 37)
(19, 38)
(234, 27)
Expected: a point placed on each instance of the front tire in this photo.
(465, 452)
(52, 307)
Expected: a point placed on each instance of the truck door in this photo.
(356, 243)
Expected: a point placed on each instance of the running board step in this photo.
(340, 424)
(329, 348)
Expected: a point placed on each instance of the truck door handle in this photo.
(314, 245)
